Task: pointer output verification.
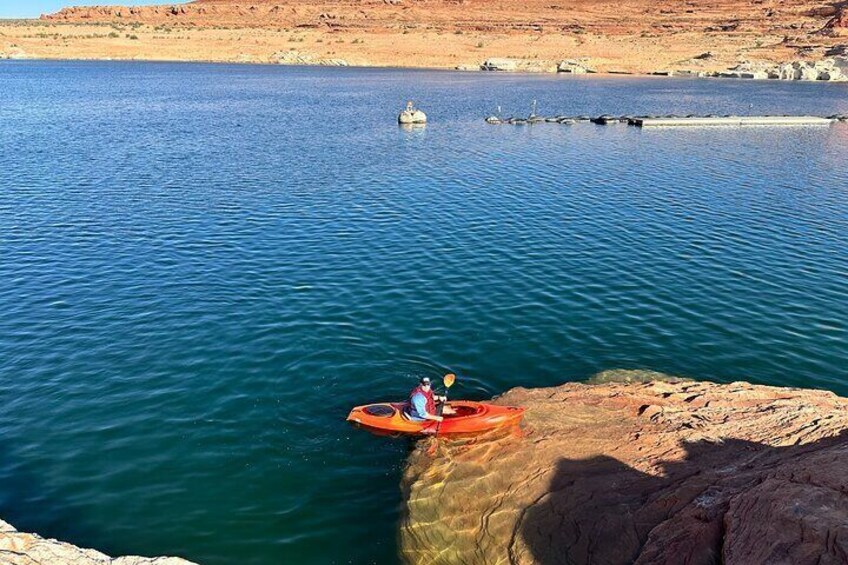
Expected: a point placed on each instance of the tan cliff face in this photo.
(628, 36)
(607, 17)
(646, 473)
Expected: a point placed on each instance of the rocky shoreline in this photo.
(831, 69)
(640, 468)
(19, 548)
(834, 69)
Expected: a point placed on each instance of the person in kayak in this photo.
(422, 403)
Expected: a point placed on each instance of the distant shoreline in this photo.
(440, 36)
(598, 74)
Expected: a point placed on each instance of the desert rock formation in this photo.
(18, 548)
(603, 17)
(663, 471)
(635, 36)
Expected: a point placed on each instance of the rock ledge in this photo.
(666, 471)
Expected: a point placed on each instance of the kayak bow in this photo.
(470, 418)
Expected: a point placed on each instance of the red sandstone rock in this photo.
(616, 35)
(607, 17)
(840, 20)
(646, 473)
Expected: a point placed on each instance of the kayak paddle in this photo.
(449, 379)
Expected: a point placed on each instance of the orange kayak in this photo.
(470, 418)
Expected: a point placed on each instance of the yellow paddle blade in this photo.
(449, 379)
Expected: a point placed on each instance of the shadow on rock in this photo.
(725, 502)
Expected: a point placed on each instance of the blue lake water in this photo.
(203, 267)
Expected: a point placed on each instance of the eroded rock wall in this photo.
(621, 36)
(605, 17)
(646, 473)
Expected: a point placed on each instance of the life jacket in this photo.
(431, 401)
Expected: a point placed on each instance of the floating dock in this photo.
(732, 121)
(676, 121)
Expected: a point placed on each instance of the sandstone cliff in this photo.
(638, 36)
(18, 548)
(608, 17)
(651, 473)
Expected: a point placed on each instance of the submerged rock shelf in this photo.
(625, 471)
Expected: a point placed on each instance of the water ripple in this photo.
(203, 273)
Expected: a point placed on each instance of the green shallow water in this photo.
(205, 266)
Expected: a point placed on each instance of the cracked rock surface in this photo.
(634, 470)
(18, 548)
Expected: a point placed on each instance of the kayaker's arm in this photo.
(419, 404)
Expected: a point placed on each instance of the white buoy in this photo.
(412, 115)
